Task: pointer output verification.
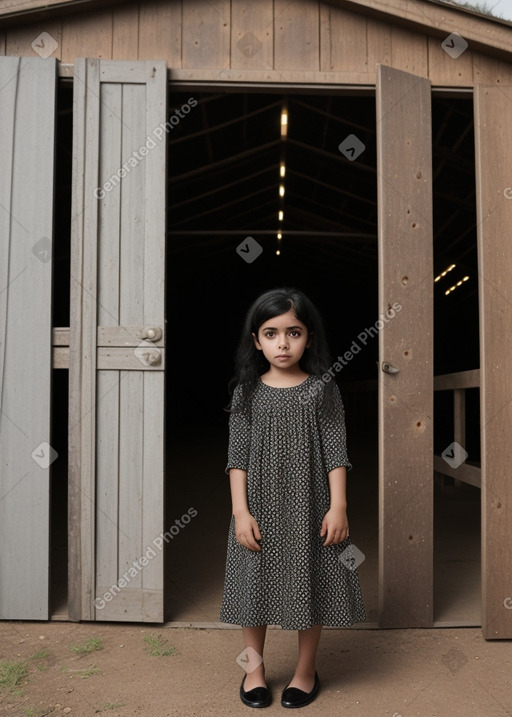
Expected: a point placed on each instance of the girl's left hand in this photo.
(334, 526)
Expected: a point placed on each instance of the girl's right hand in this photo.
(247, 531)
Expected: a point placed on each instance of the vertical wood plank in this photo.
(107, 386)
(107, 466)
(409, 51)
(153, 477)
(27, 139)
(379, 43)
(493, 135)
(131, 312)
(87, 35)
(325, 36)
(155, 218)
(405, 341)
(160, 32)
(296, 33)
(252, 35)
(82, 341)
(344, 33)
(207, 34)
(125, 31)
(131, 503)
(109, 205)
(152, 474)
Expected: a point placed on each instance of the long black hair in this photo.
(250, 363)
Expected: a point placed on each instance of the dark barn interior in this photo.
(224, 180)
(224, 160)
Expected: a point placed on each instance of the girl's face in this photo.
(283, 340)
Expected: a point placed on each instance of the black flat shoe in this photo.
(257, 697)
(293, 697)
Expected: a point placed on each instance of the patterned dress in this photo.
(288, 441)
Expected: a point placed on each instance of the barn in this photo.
(163, 162)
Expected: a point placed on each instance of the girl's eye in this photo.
(271, 334)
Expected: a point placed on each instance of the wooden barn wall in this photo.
(303, 40)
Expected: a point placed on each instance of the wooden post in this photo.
(459, 421)
(404, 171)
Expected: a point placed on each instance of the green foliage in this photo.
(483, 8)
(38, 712)
(90, 645)
(40, 655)
(156, 644)
(111, 706)
(12, 674)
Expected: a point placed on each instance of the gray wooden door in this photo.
(404, 151)
(116, 435)
(27, 139)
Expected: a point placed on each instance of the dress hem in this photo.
(294, 627)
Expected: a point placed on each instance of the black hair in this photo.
(250, 363)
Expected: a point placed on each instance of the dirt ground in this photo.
(363, 673)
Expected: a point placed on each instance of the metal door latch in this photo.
(389, 368)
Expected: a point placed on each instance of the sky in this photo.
(499, 8)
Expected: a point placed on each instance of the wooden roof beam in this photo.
(235, 158)
(14, 12)
(482, 33)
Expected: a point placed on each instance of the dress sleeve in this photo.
(333, 434)
(239, 433)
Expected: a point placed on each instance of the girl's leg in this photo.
(255, 637)
(304, 677)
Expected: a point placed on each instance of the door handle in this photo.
(151, 333)
(389, 368)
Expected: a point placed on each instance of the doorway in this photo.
(224, 179)
(224, 161)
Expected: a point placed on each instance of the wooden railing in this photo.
(360, 395)
(458, 383)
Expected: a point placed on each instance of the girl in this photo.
(287, 465)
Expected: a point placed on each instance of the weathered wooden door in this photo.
(116, 435)
(404, 150)
(493, 134)
(27, 141)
